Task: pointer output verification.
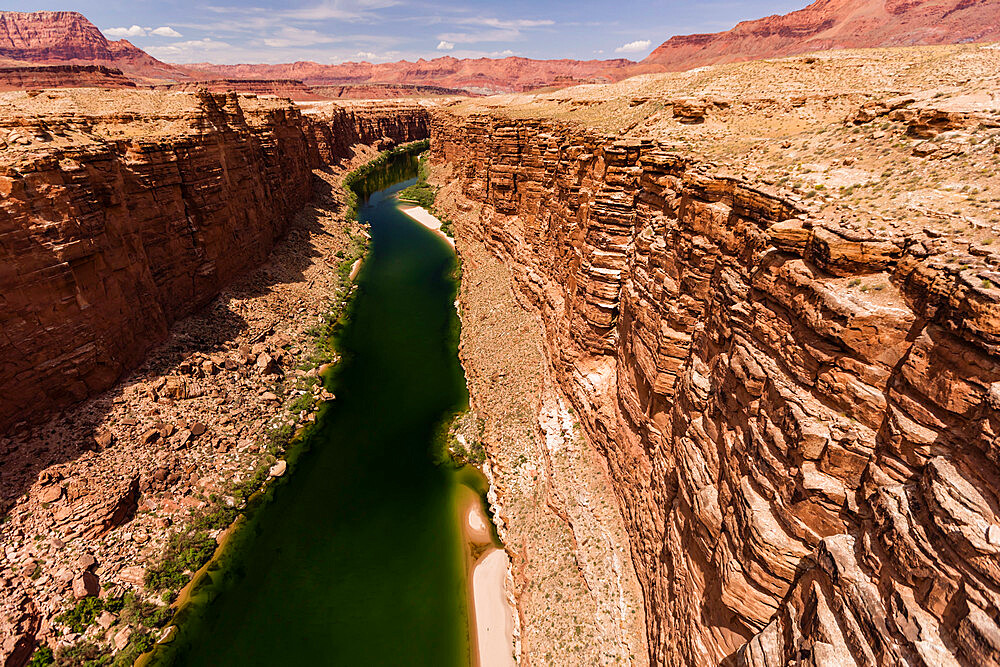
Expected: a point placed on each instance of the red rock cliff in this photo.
(113, 225)
(808, 473)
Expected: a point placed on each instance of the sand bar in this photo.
(424, 217)
(355, 268)
(494, 623)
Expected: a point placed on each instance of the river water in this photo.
(355, 557)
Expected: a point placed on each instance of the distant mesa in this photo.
(22, 77)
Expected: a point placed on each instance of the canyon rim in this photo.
(728, 317)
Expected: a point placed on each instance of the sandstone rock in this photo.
(106, 620)
(50, 494)
(122, 637)
(267, 365)
(278, 469)
(85, 562)
(86, 585)
(804, 464)
(132, 575)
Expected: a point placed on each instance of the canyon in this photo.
(137, 231)
(730, 335)
(126, 214)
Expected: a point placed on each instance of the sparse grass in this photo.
(184, 554)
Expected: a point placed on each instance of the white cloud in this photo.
(165, 31)
(504, 23)
(191, 51)
(632, 47)
(445, 46)
(134, 31)
(500, 35)
(139, 31)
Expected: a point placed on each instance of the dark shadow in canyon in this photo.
(28, 449)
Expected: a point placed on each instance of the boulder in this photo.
(86, 585)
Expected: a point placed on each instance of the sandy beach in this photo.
(492, 617)
(424, 217)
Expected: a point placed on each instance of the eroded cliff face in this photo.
(116, 222)
(799, 416)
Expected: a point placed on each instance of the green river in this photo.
(355, 557)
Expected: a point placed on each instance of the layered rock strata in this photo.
(799, 416)
(63, 76)
(111, 230)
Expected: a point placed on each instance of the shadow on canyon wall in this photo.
(28, 449)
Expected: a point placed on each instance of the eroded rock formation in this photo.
(800, 416)
(117, 221)
(290, 88)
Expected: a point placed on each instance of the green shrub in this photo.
(82, 654)
(83, 615)
(184, 552)
(136, 612)
(42, 657)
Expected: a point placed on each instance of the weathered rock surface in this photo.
(101, 487)
(290, 88)
(111, 230)
(808, 470)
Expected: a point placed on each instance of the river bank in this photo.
(491, 618)
(576, 595)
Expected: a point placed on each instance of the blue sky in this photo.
(333, 31)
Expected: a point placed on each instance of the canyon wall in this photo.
(110, 230)
(800, 418)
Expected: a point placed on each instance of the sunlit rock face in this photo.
(800, 417)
